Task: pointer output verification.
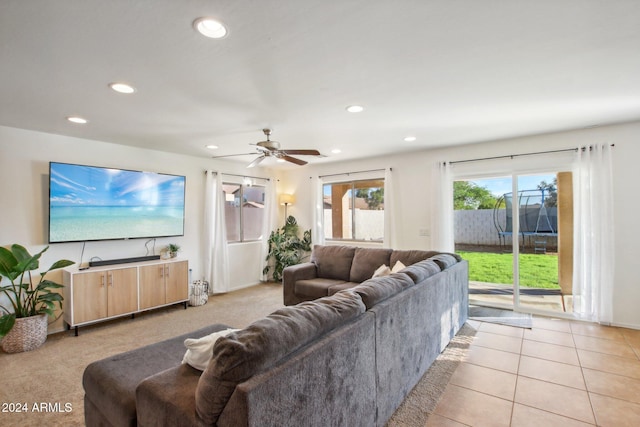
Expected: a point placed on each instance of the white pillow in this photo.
(397, 267)
(199, 350)
(383, 270)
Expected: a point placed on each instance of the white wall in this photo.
(412, 175)
(24, 170)
(24, 158)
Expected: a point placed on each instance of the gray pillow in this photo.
(240, 355)
(421, 270)
(445, 260)
(408, 257)
(333, 262)
(380, 288)
(366, 261)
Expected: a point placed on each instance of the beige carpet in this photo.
(49, 379)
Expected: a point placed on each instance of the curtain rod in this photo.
(511, 156)
(241, 176)
(349, 173)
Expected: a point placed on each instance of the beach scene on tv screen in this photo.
(93, 203)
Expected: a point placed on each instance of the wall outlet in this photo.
(424, 232)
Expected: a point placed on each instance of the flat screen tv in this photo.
(88, 203)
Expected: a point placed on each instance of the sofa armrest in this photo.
(291, 275)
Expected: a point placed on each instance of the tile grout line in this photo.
(584, 379)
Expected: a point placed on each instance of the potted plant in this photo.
(286, 248)
(25, 327)
(173, 249)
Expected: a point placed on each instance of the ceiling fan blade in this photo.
(256, 161)
(293, 160)
(233, 155)
(302, 152)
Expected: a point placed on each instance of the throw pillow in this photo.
(383, 270)
(199, 350)
(397, 267)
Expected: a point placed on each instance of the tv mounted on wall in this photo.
(88, 203)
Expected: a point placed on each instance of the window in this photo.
(244, 211)
(354, 210)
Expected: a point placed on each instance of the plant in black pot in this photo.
(286, 248)
(24, 327)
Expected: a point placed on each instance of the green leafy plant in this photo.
(173, 248)
(286, 248)
(27, 298)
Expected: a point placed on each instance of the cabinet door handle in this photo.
(102, 280)
(111, 279)
(168, 269)
(161, 271)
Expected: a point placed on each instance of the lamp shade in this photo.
(287, 199)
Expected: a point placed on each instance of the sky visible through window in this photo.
(502, 185)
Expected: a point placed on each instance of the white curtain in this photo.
(390, 236)
(216, 251)
(593, 277)
(270, 216)
(442, 237)
(317, 231)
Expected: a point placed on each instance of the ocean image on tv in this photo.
(92, 203)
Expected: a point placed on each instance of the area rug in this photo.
(423, 399)
(502, 317)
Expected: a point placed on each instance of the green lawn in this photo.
(536, 270)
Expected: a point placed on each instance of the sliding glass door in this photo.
(508, 228)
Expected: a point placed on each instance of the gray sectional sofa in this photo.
(334, 268)
(346, 359)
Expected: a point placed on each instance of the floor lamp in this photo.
(286, 200)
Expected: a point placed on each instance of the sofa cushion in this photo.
(422, 270)
(379, 289)
(110, 383)
(383, 270)
(408, 257)
(199, 350)
(397, 267)
(316, 288)
(445, 260)
(342, 286)
(334, 262)
(366, 261)
(262, 344)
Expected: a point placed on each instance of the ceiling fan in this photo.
(270, 148)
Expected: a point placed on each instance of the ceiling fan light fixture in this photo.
(210, 27)
(355, 108)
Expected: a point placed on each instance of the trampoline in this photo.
(538, 219)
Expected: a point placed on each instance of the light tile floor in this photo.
(559, 373)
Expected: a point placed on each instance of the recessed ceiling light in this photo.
(355, 108)
(212, 147)
(280, 160)
(410, 138)
(122, 87)
(336, 151)
(210, 27)
(77, 120)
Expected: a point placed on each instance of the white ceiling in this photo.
(447, 72)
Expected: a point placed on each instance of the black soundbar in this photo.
(123, 260)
